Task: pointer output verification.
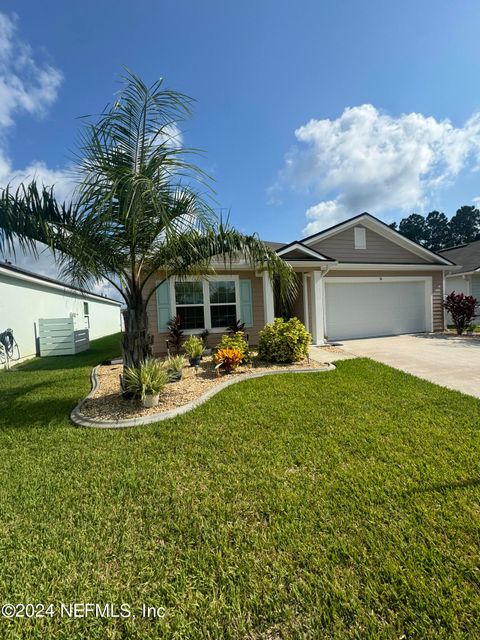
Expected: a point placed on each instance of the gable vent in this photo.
(360, 238)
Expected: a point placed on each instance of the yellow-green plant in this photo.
(173, 366)
(235, 341)
(193, 346)
(284, 341)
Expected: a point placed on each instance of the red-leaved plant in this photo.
(461, 308)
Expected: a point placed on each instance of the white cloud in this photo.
(324, 214)
(61, 179)
(367, 160)
(25, 85)
(171, 136)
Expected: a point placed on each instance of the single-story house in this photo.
(466, 279)
(27, 297)
(359, 278)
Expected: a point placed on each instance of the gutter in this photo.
(464, 273)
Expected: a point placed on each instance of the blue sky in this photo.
(272, 80)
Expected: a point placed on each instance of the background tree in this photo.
(414, 228)
(465, 225)
(140, 212)
(437, 234)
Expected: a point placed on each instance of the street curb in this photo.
(81, 420)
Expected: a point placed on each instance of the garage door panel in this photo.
(361, 310)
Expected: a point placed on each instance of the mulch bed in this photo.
(107, 402)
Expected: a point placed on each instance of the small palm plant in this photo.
(174, 367)
(194, 349)
(146, 381)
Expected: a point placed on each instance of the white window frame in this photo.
(206, 300)
(86, 316)
(360, 235)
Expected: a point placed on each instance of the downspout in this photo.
(325, 271)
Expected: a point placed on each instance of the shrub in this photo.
(228, 359)
(284, 341)
(204, 336)
(173, 366)
(175, 334)
(461, 308)
(235, 341)
(193, 346)
(147, 379)
(235, 327)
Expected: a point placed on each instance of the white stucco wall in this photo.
(23, 301)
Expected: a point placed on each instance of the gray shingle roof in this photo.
(465, 255)
(274, 245)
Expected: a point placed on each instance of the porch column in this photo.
(306, 305)
(317, 308)
(268, 300)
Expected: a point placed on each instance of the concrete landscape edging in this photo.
(82, 420)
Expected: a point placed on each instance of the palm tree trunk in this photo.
(136, 339)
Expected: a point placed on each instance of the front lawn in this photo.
(476, 329)
(329, 505)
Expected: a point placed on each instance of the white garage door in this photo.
(368, 309)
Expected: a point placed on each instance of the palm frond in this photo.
(140, 204)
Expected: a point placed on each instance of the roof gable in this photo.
(396, 248)
(298, 251)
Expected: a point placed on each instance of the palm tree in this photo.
(139, 208)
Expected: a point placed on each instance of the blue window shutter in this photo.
(246, 302)
(163, 306)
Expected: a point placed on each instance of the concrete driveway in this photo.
(449, 361)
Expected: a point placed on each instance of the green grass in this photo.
(329, 505)
(476, 329)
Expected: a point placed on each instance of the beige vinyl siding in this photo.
(159, 339)
(341, 247)
(437, 287)
(298, 308)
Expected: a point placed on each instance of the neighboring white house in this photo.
(466, 279)
(25, 297)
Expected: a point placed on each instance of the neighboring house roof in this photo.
(465, 255)
(383, 229)
(24, 274)
(274, 245)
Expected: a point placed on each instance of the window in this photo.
(360, 238)
(208, 304)
(86, 314)
(223, 308)
(189, 304)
